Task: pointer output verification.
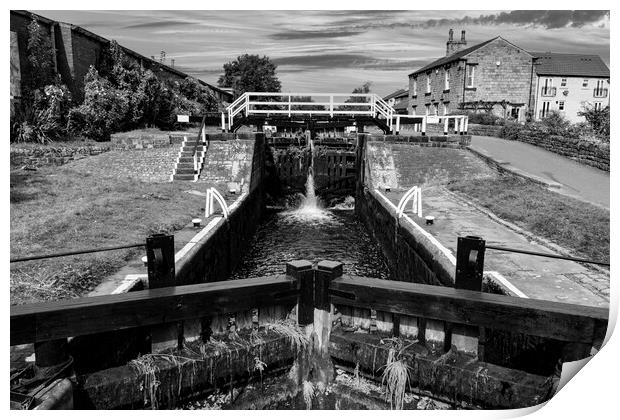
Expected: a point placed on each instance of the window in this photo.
(428, 82)
(446, 79)
(435, 109)
(470, 75)
(428, 109)
(563, 83)
(545, 109)
(561, 105)
(585, 83)
(415, 87)
(598, 106)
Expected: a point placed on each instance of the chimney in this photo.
(453, 46)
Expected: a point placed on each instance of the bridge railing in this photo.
(332, 104)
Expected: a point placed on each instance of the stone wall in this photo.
(584, 152)
(484, 130)
(411, 255)
(588, 153)
(438, 140)
(221, 249)
(139, 139)
(509, 81)
(44, 155)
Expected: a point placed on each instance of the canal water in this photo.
(309, 231)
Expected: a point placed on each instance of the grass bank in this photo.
(59, 209)
(568, 222)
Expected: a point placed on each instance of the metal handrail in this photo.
(198, 138)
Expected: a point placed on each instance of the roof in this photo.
(398, 93)
(454, 57)
(560, 64)
(402, 104)
(460, 54)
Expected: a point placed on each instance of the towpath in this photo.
(576, 180)
(535, 277)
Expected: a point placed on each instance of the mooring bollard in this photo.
(326, 272)
(161, 273)
(302, 271)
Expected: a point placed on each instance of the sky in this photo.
(331, 50)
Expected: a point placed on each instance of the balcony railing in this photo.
(600, 92)
(548, 91)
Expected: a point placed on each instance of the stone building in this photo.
(503, 78)
(76, 49)
(399, 100)
(494, 75)
(567, 82)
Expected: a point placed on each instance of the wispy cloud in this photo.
(158, 24)
(329, 61)
(295, 34)
(335, 50)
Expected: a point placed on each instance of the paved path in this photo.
(536, 277)
(577, 180)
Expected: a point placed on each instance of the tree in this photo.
(365, 88)
(40, 57)
(250, 73)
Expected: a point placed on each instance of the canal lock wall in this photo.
(413, 256)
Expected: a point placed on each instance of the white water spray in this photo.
(310, 206)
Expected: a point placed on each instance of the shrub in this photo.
(42, 118)
(598, 120)
(486, 118)
(511, 130)
(104, 110)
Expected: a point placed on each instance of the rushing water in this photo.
(312, 232)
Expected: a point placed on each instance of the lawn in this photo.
(568, 222)
(65, 208)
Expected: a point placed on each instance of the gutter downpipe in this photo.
(529, 102)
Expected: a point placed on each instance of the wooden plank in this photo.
(68, 318)
(561, 321)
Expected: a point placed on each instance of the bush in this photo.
(485, 118)
(511, 131)
(104, 110)
(598, 120)
(42, 118)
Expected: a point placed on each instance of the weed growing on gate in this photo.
(147, 366)
(291, 330)
(308, 393)
(396, 372)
